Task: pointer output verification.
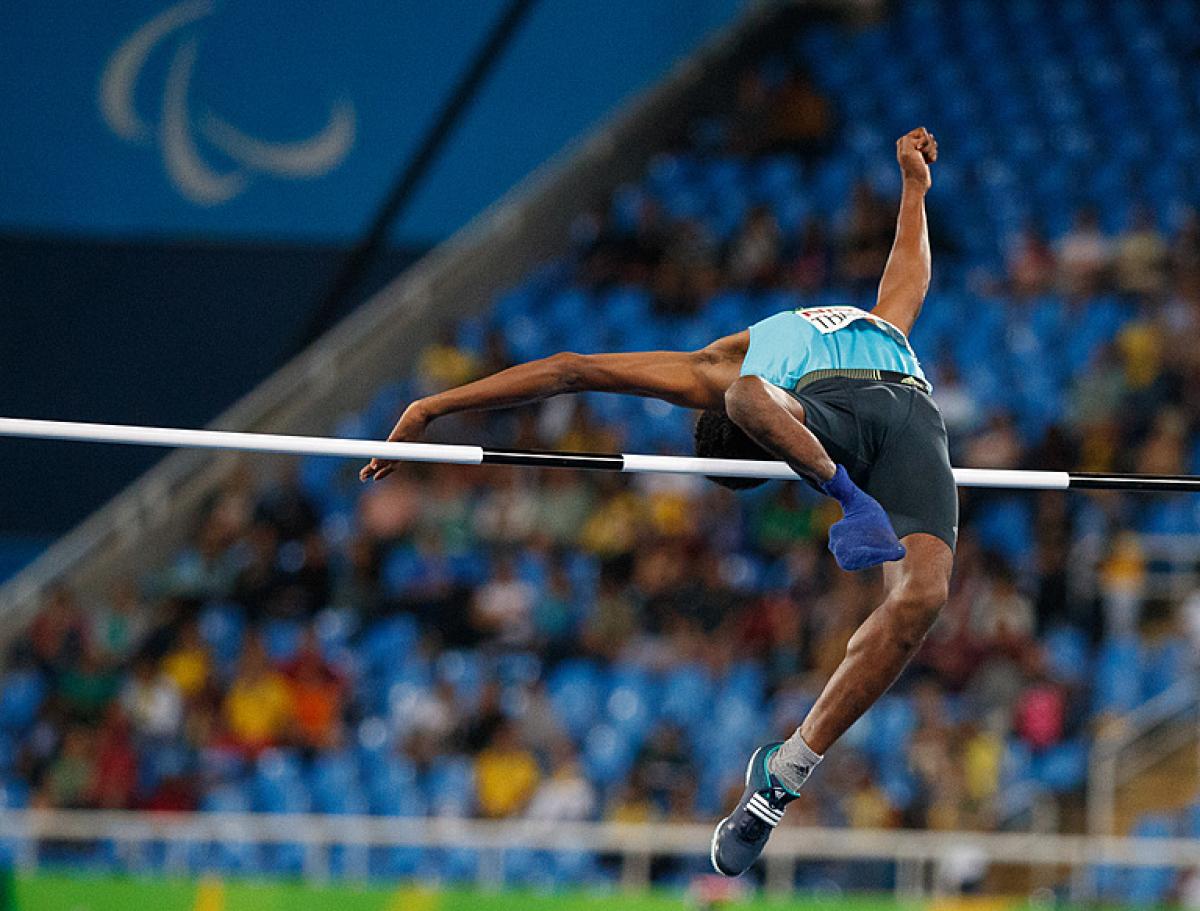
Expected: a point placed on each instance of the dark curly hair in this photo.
(717, 437)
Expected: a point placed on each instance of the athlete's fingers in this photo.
(370, 470)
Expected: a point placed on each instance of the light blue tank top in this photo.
(786, 346)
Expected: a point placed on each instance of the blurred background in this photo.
(235, 683)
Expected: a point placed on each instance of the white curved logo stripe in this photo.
(195, 179)
(185, 165)
(310, 157)
(118, 83)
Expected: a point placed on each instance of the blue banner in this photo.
(263, 118)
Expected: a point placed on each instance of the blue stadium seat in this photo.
(687, 695)
(281, 639)
(1068, 656)
(607, 754)
(1165, 664)
(893, 721)
(388, 642)
(21, 696)
(1063, 767)
(450, 786)
(576, 690)
(222, 626)
(1118, 676)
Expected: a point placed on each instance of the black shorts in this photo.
(892, 441)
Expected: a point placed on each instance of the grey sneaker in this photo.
(741, 836)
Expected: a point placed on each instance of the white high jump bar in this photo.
(631, 463)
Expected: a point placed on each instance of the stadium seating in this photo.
(983, 74)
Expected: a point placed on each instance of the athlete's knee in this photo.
(916, 603)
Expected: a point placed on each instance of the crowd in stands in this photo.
(567, 644)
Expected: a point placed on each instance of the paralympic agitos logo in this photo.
(181, 132)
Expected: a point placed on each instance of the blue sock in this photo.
(863, 537)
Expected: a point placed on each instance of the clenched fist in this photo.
(916, 151)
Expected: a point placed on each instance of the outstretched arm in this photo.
(906, 276)
(693, 379)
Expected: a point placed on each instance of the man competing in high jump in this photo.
(838, 394)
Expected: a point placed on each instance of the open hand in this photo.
(409, 429)
(916, 151)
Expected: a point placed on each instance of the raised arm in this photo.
(693, 379)
(906, 276)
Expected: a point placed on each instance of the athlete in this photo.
(837, 393)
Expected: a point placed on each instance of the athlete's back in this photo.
(790, 345)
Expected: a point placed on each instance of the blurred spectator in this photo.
(869, 227)
(1084, 256)
(755, 250)
(87, 686)
(189, 664)
(1142, 257)
(565, 504)
(480, 725)
(960, 408)
(1031, 265)
(801, 117)
(998, 446)
(69, 779)
(357, 586)
(208, 569)
(506, 774)
(1040, 714)
(388, 511)
(749, 121)
(554, 615)
(152, 701)
(444, 364)
(58, 635)
(613, 619)
(1140, 346)
(665, 764)
(116, 772)
(430, 721)
(316, 695)
(258, 709)
(982, 757)
(1002, 616)
(867, 805)
(508, 510)
(1185, 251)
(1122, 585)
(1165, 451)
(784, 520)
(566, 795)
(446, 512)
(118, 626)
(285, 507)
(809, 269)
(631, 803)
(503, 606)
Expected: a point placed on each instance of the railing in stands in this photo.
(920, 856)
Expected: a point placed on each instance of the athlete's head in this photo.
(717, 437)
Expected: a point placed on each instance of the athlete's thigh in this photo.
(911, 475)
(829, 415)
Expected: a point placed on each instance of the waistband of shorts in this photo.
(878, 376)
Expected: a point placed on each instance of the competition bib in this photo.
(830, 319)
